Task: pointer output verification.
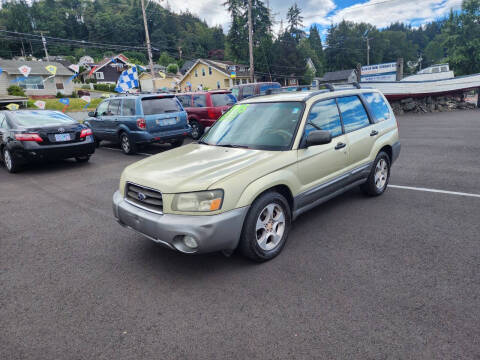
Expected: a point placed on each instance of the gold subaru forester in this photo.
(263, 163)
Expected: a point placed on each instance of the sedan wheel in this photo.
(10, 163)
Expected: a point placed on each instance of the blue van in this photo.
(139, 119)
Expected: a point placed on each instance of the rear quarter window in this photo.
(152, 106)
(377, 105)
(223, 99)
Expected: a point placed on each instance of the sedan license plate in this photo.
(62, 137)
(165, 122)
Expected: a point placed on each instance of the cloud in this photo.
(380, 13)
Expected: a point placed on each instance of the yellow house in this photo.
(214, 74)
(170, 82)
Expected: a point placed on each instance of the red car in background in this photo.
(205, 107)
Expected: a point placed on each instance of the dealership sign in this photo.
(379, 72)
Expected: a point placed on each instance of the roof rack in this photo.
(332, 88)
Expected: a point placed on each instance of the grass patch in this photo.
(75, 104)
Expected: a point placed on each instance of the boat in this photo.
(436, 80)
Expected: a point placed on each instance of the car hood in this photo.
(194, 167)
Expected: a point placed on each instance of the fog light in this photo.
(190, 242)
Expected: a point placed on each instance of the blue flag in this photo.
(127, 80)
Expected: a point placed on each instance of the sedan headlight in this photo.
(210, 200)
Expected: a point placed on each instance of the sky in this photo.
(325, 12)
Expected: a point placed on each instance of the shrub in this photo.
(74, 95)
(172, 68)
(15, 90)
(59, 95)
(86, 87)
(105, 87)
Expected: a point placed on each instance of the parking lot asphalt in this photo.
(393, 277)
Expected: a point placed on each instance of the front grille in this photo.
(143, 197)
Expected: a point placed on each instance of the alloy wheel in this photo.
(125, 144)
(8, 159)
(270, 227)
(381, 174)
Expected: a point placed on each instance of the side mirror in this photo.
(92, 114)
(318, 137)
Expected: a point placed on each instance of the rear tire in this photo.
(377, 181)
(127, 145)
(197, 130)
(266, 227)
(82, 159)
(177, 143)
(10, 163)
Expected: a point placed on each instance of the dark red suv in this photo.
(205, 107)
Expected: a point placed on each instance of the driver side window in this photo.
(324, 116)
(102, 108)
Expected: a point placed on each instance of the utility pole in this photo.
(250, 40)
(147, 38)
(44, 41)
(368, 50)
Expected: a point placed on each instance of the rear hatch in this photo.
(163, 113)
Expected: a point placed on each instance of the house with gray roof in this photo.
(339, 77)
(39, 82)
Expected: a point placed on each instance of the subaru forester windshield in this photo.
(266, 126)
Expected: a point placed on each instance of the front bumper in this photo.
(212, 232)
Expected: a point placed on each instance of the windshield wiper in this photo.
(233, 146)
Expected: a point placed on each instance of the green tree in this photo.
(462, 38)
(295, 22)
(172, 68)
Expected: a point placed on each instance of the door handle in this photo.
(374, 132)
(340, 145)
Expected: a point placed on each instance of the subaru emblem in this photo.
(141, 196)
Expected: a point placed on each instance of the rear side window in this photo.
(128, 107)
(354, 115)
(185, 100)
(223, 99)
(247, 91)
(199, 101)
(114, 107)
(152, 106)
(324, 116)
(377, 106)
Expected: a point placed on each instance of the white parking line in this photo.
(434, 191)
(138, 153)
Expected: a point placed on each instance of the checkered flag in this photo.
(127, 80)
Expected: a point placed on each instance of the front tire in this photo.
(266, 227)
(377, 181)
(197, 130)
(128, 146)
(10, 163)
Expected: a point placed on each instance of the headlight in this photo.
(198, 201)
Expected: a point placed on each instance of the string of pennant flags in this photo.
(128, 80)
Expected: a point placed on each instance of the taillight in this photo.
(141, 123)
(28, 137)
(85, 133)
(213, 114)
